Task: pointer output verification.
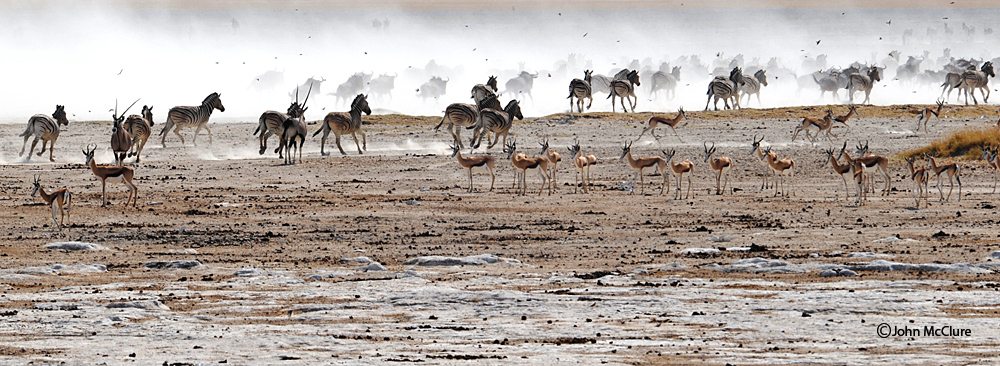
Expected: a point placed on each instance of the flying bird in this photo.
(817, 42)
(889, 22)
(120, 71)
(585, 34)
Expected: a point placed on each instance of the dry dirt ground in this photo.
(608, 277)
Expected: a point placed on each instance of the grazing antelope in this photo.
(925, 115)
(141, 128)
(192, 116)
(685, 166)
(757, 151)
(871, 162)
(524, 163)
(642, 163)
(475, 162)
(580, 88)
(59, 200)
(669, 122)
(919, 177)
(44, 128)
(780, 168)
(498, 122)
(972, 80)
(991, 161)
(121, 139)
(624, 88)
(343, 123)
(722, 165)
(822, 125)
(113, 174)
(840, 169)
(953, 171)
(553, 157)
(272, 123)
(857, 82)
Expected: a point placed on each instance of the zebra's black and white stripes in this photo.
(343, 123)
(726, 89)
(581, 90)
(498, 122)
(140, 127)
(44, 128)
(752, 85)
(623, 86)
(192, 116)
(972, 80)
(857, 82)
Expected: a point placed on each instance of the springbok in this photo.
(928, 112)
(642, 163)
(669, 122)
(113, 174)
(475, 162)
(582, 167)
(757, 151)
(685, 166)
(553, 157)
(141, 128)
(953, 171)
(859, 180)
(840, 169)
(44, 128)
(851, 112)
(524, 163)
(822, 125)
(59, 200)
(991, 161)
(780, 168)
(919, 177)
(871, 163)
(721, 165)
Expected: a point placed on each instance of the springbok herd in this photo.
(487, 116)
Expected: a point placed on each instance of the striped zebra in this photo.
(272, 122)
(972, 80)
(726, 89)
(857, 82)
(498, 122)
(581, 89)
(482, 91)
(664, 81)
(624, 88)
(343, 123)
(44, 128)
(951, 81)
(140, 126)
(753, 84)
(600, 84)
(187, 116)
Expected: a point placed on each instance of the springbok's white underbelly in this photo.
(117, 179)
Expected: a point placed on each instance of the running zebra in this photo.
(482, 91)
(951, 81)
(726, 89)
(272, 123)
(600, 84)
(857, 82)
(581, 90)
(185, 116)
(498, 122)
(140, 126)
(665, 81)
(343, 123)
(972, 80)
(753, 85)
(624, 87)
(44, 128)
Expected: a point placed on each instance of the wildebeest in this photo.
(267, 81)
(522, 83)
(383, 85)
(355, 84)
(433, 88)
(310, 84)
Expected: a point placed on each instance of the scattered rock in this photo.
(138, 304)
(473, 260)
(186, 264)
(372, 267)
(72, 246)
(941, 234)
(248, 272)
(357, 260)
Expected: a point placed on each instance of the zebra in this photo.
(140, 126)
(951, 81)
(624, 88)
(581, 89)
(461, 115)
(272, 122)
(856, 82)
(44, 128)
(972, 80)
(343, 123)
(753, 85)
(482, 91)
(498, 122)
(726, 89)
(665, 81)
(188, 116)
(600, 84)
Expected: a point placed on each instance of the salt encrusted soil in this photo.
(235, 257)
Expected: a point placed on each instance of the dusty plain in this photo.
(605, 277)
